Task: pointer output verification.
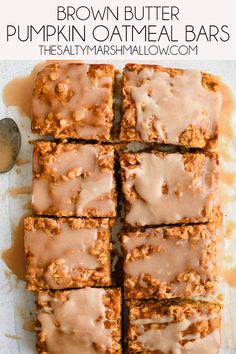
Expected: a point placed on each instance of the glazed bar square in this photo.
(170, 188)
(169, 262)
(67, 253)
(87, 320)
(170, 106)
(73, 180)
(174, 327)
(74, 100)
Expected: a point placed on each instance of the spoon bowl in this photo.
(10, 144)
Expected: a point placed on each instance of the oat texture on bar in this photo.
(79, 321)
(67, 252)
(170, 106)
(73, 100)
(169, 262)
(73, 180)
(181, 327)
(170, 188)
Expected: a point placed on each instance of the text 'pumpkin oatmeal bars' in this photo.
(73, 180)
(168, 262)
(174, 327)
(170, 188)
(72, 100)
(82, 321)
(67, 252)
(170, 106)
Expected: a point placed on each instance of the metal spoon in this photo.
(10, 144)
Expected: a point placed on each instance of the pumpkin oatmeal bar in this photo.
(170, 106)
(170, 188)
(73, 180)
(74, 100)
(170, 262)
(174, 327)
(67, 252)
(86, 320)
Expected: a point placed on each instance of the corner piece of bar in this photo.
(67, 252)
(87, 320)
(170, 188)
(170, 106)
(170, 262)
(73, 180)
(74, 100)
(174, 327)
